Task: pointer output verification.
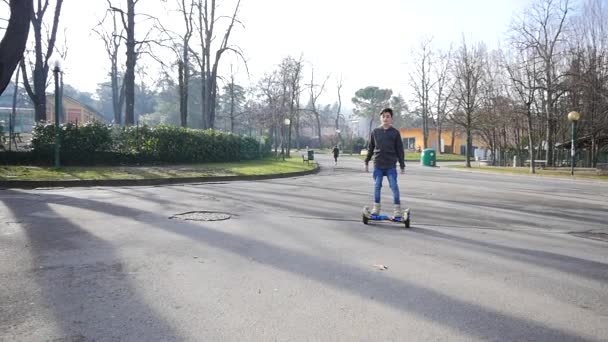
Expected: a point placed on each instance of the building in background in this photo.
(413, 140)
(73, 111)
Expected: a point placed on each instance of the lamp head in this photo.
(57, 65)
(574, 116)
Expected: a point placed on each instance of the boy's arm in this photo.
(400, 151)
(370, 148)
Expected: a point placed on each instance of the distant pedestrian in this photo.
(336, 152)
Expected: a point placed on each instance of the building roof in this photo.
(85, 106)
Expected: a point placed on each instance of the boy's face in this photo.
(386, 119)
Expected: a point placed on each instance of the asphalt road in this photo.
(488, 257)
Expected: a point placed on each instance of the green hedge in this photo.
(101, 144)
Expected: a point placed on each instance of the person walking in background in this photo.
(336, 152)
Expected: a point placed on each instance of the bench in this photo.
(14, 137)
(542, 163)
(305, 158)
(602, 169)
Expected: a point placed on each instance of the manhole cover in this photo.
(201, 216)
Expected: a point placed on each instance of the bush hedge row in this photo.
(100, 144)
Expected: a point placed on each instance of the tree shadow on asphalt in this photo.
(90, 300)
(563, 263)
(581, 267)
(462, 219)
(468, 318)
(561, 212)
(567, 264)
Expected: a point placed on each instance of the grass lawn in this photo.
(562, 173)
(256, 167)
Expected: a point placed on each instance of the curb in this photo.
(547, 177)
(146, 182)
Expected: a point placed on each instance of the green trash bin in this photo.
(428, 157)
(311, 155)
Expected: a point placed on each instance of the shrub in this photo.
(97, 143)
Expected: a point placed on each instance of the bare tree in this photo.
(131, 62)
(542, 28)
(443, 90)
(41, 58)
(128, 21)
(180, 45)
(497, 126)
(14, 41)
(421, 83)
(315, 92)
(206, 25)
(468, 73)
(134, 49)
(523, 76)
(295, 79)
(588, 79)
(11, 121)
(231, 103)
(339, 85)
(270, 94)
(112, 39)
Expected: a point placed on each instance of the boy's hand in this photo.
(366, 168)
(403, 171)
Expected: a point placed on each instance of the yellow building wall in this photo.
(74, 111)
(407, 134)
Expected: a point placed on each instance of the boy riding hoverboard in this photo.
(386, 147)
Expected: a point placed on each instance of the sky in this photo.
(364, 42)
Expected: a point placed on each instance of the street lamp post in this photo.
(573, 117)
(56, 71)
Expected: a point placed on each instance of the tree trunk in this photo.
(181, 88)
(117, 92)
(438, 139)
(130, 65)
(594, 153)
(40, 75)
(13, 43)
(212, 100)
(185, 81)
(425, 129)
(338, 114)
(232, 114)
(453, 138)
(530, 141)
(11, 123)
(549, 147)
(41, 66)
(297, 127)
(469, 140)
(549, 115)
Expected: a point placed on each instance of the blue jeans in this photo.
(391, 174)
